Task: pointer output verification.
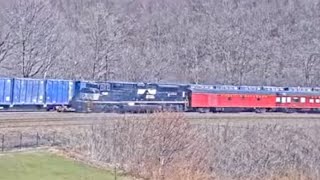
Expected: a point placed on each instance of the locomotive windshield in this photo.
(89, 90)
(89, 94)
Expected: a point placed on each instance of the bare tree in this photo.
(5, 46)
(310, 67)
(34, 28)
(102, 32)
(6, 43)
(163, 146)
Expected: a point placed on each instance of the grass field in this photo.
(46, 166)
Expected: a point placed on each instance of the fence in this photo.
(19, 140)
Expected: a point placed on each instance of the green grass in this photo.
(46, 166)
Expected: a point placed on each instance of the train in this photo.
(143, 97)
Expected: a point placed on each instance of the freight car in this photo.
(5, 92)
(35, 94)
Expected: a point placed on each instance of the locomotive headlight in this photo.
(95, 97)
(105, 93)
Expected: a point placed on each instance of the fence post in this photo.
(115, 173)
(2, 143)
(225, 133)
(37, 139)
(218, 133)
(54, 139)
(20, 140)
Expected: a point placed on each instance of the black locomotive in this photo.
(130, 97)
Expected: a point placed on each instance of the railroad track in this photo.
(44, 125)
(51, 119)
(14, 123)
(31, 120)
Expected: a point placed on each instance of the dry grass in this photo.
(170, 146)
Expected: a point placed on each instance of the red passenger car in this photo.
(232, 100)
(213, 98)
(217, 98)
(297, 99)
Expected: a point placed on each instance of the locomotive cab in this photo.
(89, 94)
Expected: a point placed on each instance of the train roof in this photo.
(119, 82)
(255, 89)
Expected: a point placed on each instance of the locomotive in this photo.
(131, 97)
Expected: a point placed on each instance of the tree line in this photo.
(247, 42)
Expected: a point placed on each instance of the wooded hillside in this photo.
(265, 42)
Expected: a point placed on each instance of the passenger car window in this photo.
(289, 99)
(296, 99)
